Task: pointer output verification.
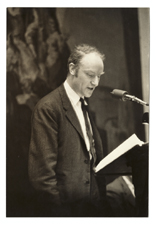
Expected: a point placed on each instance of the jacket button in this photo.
(87, 182)
(86, 161)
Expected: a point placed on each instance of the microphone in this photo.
(124, 96)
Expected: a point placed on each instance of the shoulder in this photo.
(51, 104)
(51, 100)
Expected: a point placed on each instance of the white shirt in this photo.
(75, 101)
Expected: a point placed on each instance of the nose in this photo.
(95, 82)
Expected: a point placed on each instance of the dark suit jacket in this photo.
(59, 163)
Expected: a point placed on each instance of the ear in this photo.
(72, 68)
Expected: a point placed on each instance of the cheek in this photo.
(84, 85)
(86, 82)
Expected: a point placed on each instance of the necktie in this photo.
(88, 131)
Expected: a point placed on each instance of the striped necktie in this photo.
(88, 130)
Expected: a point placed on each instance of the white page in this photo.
(120, 150)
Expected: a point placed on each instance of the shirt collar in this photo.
(73, 96)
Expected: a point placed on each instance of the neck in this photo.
(71, 83)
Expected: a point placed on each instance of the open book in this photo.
(120, 150)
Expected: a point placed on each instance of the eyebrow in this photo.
(93, 72)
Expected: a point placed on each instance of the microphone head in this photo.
(116, 93)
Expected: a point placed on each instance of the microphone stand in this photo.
(134, 99)
(145, 118)
(137, 158)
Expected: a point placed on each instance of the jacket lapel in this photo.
(70, 113)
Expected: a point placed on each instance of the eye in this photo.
(90, 75)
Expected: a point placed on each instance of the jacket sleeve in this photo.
(43, 152)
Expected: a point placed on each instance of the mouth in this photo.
(90, 88)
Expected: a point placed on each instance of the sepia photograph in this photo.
(77, 112)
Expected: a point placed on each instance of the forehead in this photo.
(92, 60)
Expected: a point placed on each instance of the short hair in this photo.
(80, 50)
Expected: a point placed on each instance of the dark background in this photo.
(39, 41)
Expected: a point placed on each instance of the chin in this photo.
(88, 95)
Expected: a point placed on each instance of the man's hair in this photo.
(81, 50)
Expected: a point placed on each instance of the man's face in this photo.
(87, 77)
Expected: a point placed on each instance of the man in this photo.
(63, 154)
